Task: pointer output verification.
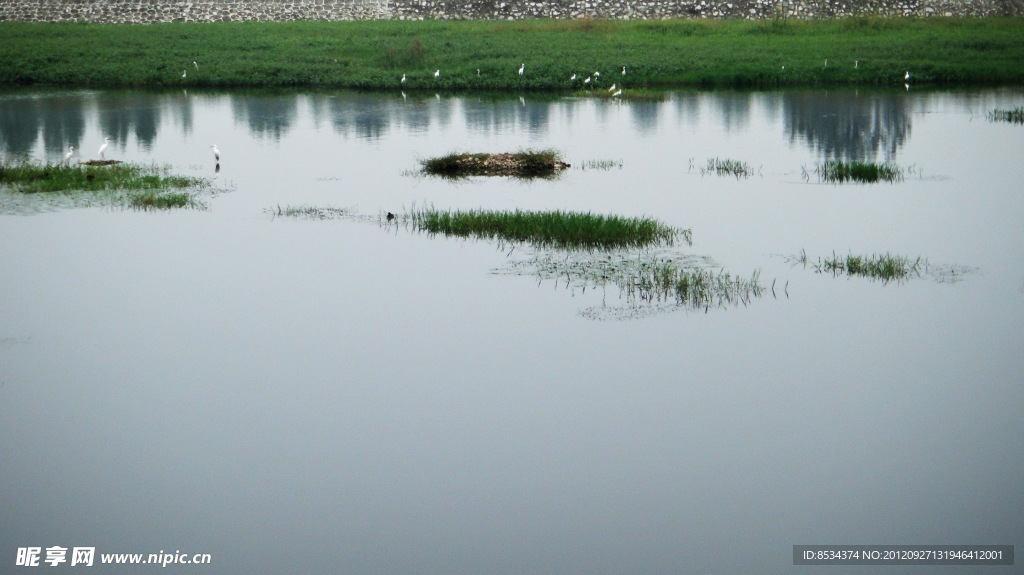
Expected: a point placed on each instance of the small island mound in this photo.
(525, 164)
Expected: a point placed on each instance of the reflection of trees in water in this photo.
(62, 121)
(645, 115)
(496, 116)
(124, 113)
(266, 115)
(848, 126)
(734, 109)
(19, 118)
(367, 116)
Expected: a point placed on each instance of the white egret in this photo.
(623, 70)
(612, 88)
(906, 77)
(572, 78)
(437, 73)
(521, 68)
(216, 153)
(596, 74)
(478, 72)
(103, 148)
(194, 63)
(856, 64)
(184, 74)
(67, 156)
(586, 80)
(403, 78)
(619, 93)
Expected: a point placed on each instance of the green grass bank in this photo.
(486, 55)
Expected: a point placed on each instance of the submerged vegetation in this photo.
(1014, 116)
(309, 212)
(523, 164)
(556, 229)
(837, 172)
(375, 54)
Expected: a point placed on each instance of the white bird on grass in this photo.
(573, 77)
(612, 88)
(184, 74)
(521, 68)
(437, 73)
(619, 93)
(67, 156)
(194, 63)
(623, 70)
(103, 148)
(216, 153)
(403, 78)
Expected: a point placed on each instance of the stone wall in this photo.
(149, 11)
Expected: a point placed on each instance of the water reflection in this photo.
(848, 126)
(845, 125)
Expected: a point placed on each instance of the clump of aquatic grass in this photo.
(557, 229)
(523, 164)
(727, 167)
(1014, 116)
(885, 267)
(29, 178)
(647, 283)
(693, 288)
(164, 201)
(838, 171)
(309, 212)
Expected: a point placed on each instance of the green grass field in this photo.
(376, 54)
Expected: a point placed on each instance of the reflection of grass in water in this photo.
(601, 165)
(647, 283)
(838, 171)
(557, 229)
(1014, 116)
(30, 178)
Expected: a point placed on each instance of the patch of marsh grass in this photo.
(601, 165)
(838, 171)
(30, 178)
(555, 229)
(153, 200)
(1014, 116)
(522, 164)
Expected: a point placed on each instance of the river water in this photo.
(347, 395)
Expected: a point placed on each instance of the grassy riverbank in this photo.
(486, 55)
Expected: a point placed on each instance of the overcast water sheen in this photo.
(346, 395)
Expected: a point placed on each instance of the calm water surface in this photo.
(343, 396)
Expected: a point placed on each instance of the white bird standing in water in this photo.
(216, 153)
(67, 156)
(403, 78)
(103, 148)
(521, 68)
(906, 77)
